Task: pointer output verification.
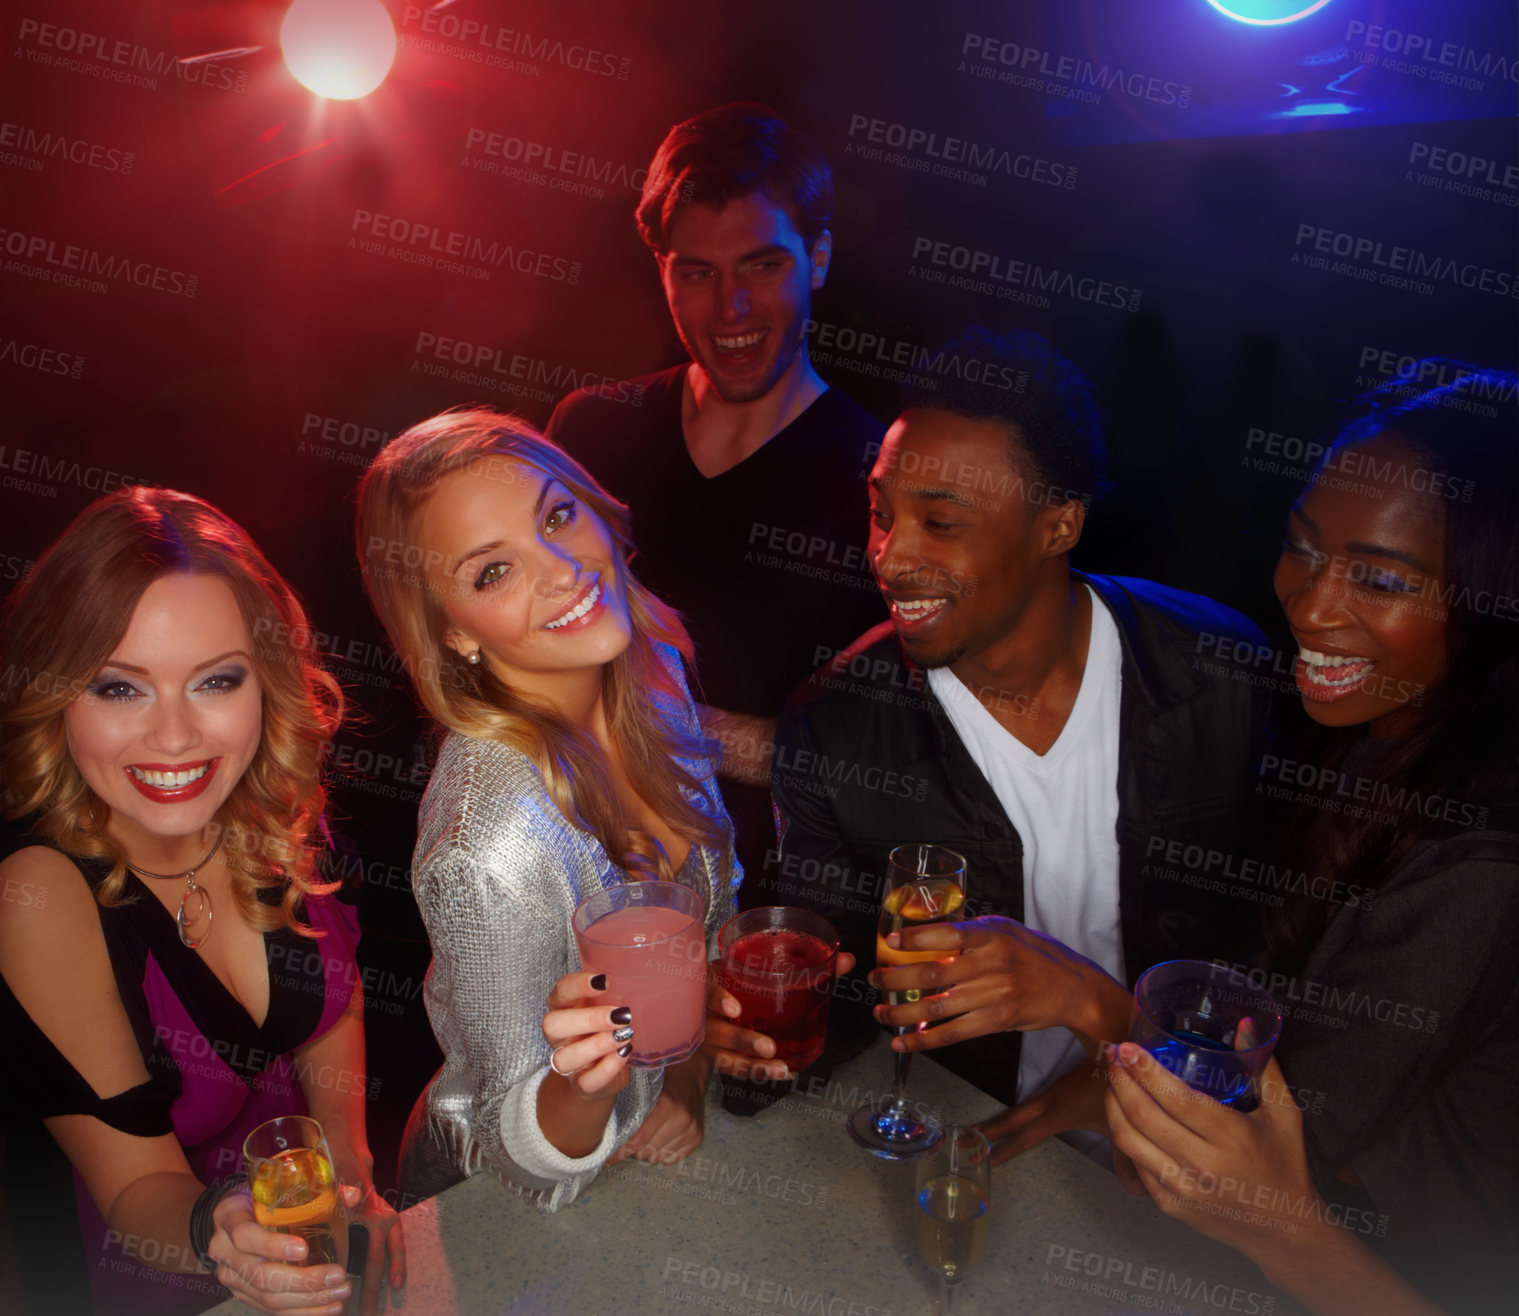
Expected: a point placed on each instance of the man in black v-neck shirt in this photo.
(744, 471)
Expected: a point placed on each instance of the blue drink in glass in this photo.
(1207, 1066)
(1209, 1025)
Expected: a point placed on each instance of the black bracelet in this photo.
(201, 1227)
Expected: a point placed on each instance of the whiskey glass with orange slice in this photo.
(925, 884)
(294, 1187)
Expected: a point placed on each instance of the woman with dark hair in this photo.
(1400, 580)
(177, 974)
(572, 761)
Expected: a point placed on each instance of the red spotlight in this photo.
(340, 49)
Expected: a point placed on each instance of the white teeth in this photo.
(915, 608)
(1316, 664)
(1316, 659)
(168, 781)
(740, 343)
(580, 609)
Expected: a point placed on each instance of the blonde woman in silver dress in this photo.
(572, 760)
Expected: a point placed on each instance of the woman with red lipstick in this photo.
(572, 760)
(1400, 580)
(177, 975)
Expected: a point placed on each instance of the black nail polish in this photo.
(625, 1051)
(599, 983)
(622, 1015)
(623, 1035)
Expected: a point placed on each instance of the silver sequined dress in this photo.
(497, 874)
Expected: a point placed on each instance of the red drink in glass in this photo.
(647, 937)
(780, 964)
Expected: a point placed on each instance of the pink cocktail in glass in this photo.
(648, 938)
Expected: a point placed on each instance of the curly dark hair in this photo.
(1046, 402)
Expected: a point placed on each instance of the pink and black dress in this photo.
(214, 1074)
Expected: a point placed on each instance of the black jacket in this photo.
(866, 759)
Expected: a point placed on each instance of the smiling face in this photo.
(739, 283)
(1360, 580)
(526, 574)
(957, 545)
(168, 726)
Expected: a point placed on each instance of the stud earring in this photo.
(473, 659)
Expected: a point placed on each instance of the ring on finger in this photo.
(562, 1073)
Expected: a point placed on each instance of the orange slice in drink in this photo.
(293, 1189)
(926, 900)
(320, 1208)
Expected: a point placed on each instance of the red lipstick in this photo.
(177, 794)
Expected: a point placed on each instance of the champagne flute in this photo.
(294, 1187)
(954, 1184)
(924, 884)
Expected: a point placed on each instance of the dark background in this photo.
(1192, 180)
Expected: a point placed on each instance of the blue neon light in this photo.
(1316, 109)
(1267, 13)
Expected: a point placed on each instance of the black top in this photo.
(213, 1073)
(766, 561)
(867, 759)
(1400, 1041)
(44, 1083)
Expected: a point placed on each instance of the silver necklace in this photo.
(191, 887)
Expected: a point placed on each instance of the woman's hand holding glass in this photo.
(265, 1269)
(591, 1037)
(1194, 1155)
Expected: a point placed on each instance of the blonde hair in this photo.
(637, 687)
(60, 627)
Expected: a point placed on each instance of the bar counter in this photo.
(781, 1212)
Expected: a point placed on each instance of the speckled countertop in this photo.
(782, 1213)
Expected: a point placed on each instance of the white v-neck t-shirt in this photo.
(1064, 804)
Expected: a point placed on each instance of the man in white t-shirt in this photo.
(1063, 802)
(1055, 728)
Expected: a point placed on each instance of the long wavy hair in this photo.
(61, 625)
(1465, 746)
(638, 691)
